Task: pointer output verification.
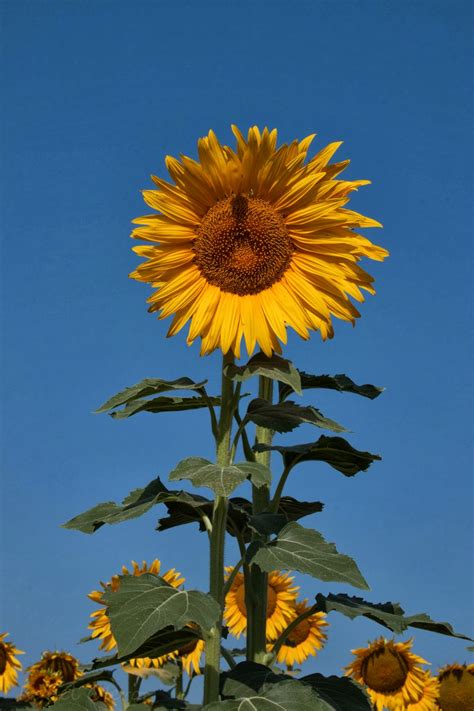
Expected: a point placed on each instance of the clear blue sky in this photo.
(95, 94)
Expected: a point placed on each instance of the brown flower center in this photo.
(385, 670)
(3, 658)
(242, 246)
(456, 691)
(299, 634)
(240, 600)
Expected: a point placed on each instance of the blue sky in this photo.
(95, 95)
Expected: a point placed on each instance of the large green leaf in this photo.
(341, 693)
(306, 551)
(335, 451)
(146, 604)
(248, 677)
(273, 367)
(222, 480)
(286, 416)
(146, 387)
(341, 383)
(163, 404)
(288, 695)
(77, 700)
(388, 614)
(135, 504)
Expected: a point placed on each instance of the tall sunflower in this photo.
(280, 606)
(391, 672)
(100, 624)
(9, 664)
(306, 639)
(249, 241)
(456, 687)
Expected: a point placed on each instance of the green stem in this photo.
(217, 540)
(257, 591)
(275, 502)
(133, 688)
(179, 684)
(249, 453)
(288, 630)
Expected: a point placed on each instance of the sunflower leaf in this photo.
(305, 551)
(222, 480)
(145, 605)
(273, 367)
(388, 614)
(76, 700)
(335, 451)
(135, 504)
(341, 693)
(287, 695)
(163, 404)
(340, 382)
(148, 386)
(247, 677)
(286, 416)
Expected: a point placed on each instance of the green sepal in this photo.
(388, 614)
(341, 693)
(136, 503)
(146, 604)
(335, 451)
(340, 382)
(273, 367)
(222, 480)
(286, 416)
(146, 387)
(306, 551)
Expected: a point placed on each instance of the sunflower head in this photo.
(456, 687)
(99, 694)
(248, 241)
(41, 686)
(281, 599)
(9, 664)
(61, 663)
(306, 639)
(390, 671)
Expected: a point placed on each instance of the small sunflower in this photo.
(190, 656)
(456, 687)
(61, 663)
(100, 624)
(429, 700)
(280, 607)
(101, 695)
(9, 664)
(41, 687)
(307, 637)
(252, 240)
(391, 672)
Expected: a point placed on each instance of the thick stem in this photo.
(257, 591)
(217, 540)
(133, 688)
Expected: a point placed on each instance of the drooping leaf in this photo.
(76, 700)
(135, 504)
(248, 677)
(340, 382)
(90, 678)
(146, 604)
(341, 693)
(288, 695)
(267, 523)
(164, 642)
(146, 387)
(306, 551)
(273, 367)
(163, 404)
(388, 614)
(335, 451)
(286, 416)
(222, 480)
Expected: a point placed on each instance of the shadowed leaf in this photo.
(388, 614)
(304, 550)
(335, 451)
(248, 677)
(288, 695)
(163, 404)
(341, 383)
(286, 416)
(341, 693)
(146, 604)
(273, 367)
(149, 386)
(77, 700)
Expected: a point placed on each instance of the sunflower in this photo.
(61, 663)
(280, 605)
(190, 656)
(429, 699)
(41, 687)
(99, 694)
(252, 240)
(391, 672)
(306, 638)
(456, 692)
(9, 664)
